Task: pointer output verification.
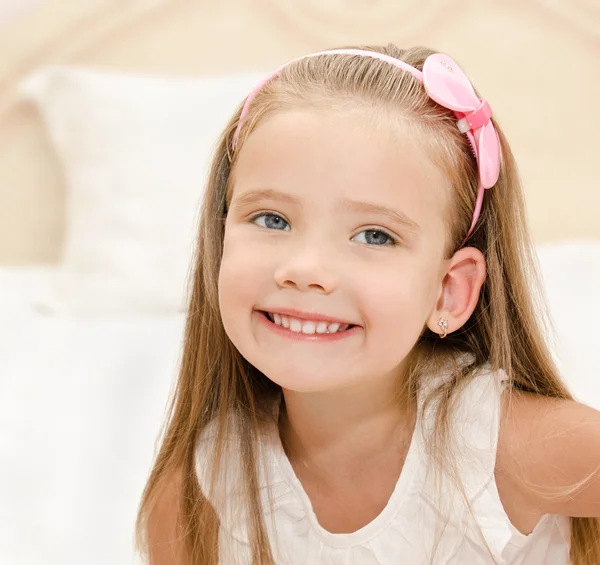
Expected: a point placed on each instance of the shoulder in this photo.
(162, 527)
(548, 446)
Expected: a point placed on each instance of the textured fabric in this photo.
(405, 531)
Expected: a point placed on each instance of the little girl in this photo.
(365, 378)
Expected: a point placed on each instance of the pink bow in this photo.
(446, 83)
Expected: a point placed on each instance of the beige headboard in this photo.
(536, 62)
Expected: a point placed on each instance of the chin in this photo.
(300, 382)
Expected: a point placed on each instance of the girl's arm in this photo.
(164, 538)
(549, 445)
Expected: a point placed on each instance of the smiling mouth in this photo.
(307, 327)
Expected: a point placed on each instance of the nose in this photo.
(307, 267)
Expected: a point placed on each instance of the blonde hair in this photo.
(506, 329)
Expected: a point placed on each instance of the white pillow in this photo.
(135, 152)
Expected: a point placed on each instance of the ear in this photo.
(460, 289)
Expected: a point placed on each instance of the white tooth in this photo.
(333, 327)
(277, 319)
(308, 328)
(295, 325)
(285, 321)
(322, 327)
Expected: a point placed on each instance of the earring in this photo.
(444, 327)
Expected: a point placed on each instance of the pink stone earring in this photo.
(444, 327)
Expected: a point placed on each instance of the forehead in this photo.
(330, 157)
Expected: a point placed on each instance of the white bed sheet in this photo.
(82, 401)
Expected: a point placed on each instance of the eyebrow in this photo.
(395, 216)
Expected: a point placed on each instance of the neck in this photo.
(345, 432)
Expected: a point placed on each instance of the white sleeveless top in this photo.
(405, 530)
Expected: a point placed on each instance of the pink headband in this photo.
(447, 84)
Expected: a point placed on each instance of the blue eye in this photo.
(271, 221)
(377, 237)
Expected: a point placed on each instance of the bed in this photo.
(108, 115)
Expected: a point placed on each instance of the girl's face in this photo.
(331, 219)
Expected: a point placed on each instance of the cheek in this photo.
(398, 302)
(242, 278)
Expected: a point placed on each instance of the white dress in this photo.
(406, 528)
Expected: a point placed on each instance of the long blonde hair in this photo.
(506, 330)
